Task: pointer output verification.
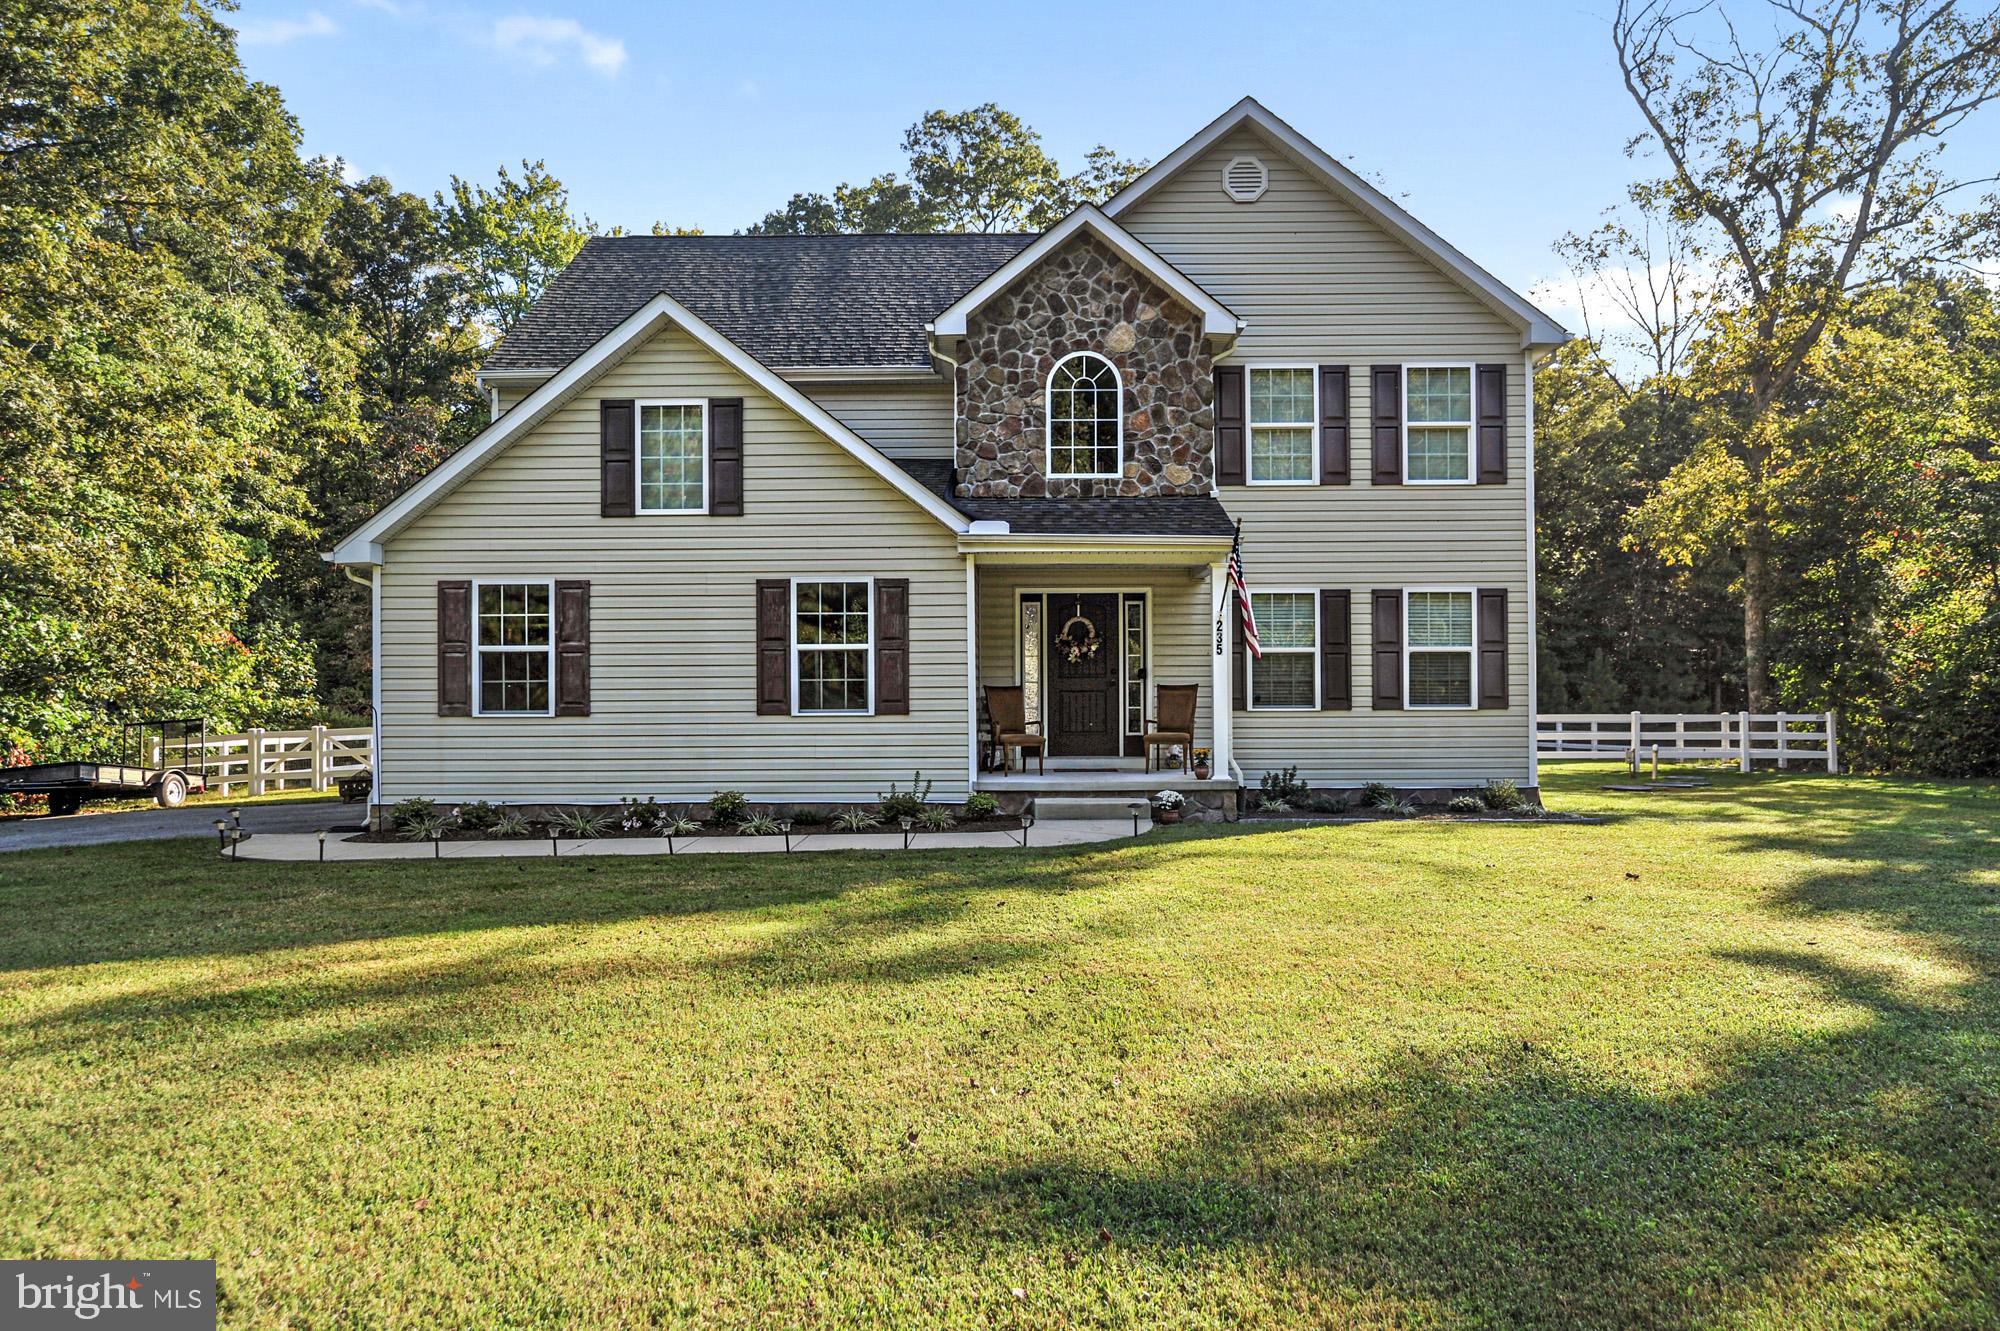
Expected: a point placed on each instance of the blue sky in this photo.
(1501, 126)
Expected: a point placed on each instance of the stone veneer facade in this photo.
(1084, 297)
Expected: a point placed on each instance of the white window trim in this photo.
(1250, 679)
(1049, 422)
(479, 652)
(638, 447)
(1250, 426)
(1471, 426)
(867, 648)
(1472, 654)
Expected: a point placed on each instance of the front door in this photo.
(1083, 704)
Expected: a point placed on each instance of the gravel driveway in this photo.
(94, 829)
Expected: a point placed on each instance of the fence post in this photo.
(256, 749)
(1832, 752)
(1635, 744)
(1784, 745)
(319, 757)
(1743, 739)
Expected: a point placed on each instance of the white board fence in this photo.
(258, 762)
(1786, 738)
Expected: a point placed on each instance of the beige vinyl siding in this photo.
(903, 420)
(1318, 283)
(1179, 623)
(673, 617)
(510, 397)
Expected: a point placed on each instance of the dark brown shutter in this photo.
(1386, 415)
(572, 648)
(1493, 647)
(1333, 446)
(1336, 650)
(1493, 425)
(725, 457)
(454, 649)
(616, 430)
(1388, 651)
(774, 647)
(892, 646)
(1229, 422)
(1239, 664)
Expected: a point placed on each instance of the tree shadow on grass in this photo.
(1502, 1185)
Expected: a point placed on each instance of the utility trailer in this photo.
(138, 772)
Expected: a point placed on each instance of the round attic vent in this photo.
(1245, 179)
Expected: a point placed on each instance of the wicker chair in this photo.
(1175, 723)
(1007, 714)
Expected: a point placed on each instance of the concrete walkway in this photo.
(295, 847)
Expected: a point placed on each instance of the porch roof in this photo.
(1197, 517)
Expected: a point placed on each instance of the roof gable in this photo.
(1217, 319)
(364, 545)
(1537, 328)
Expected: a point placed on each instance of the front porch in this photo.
(1090, 636)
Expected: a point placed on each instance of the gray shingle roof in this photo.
(788, 300)
(1201, 515)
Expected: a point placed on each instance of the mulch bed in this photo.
(543, 832)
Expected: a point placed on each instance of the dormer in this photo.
(1084, 367)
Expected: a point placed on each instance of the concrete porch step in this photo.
(1076, 808)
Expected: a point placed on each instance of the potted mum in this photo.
(1167, 806)
(1201, 765)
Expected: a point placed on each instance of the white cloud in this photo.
(278, 31)
(544, 41)
(349, 172)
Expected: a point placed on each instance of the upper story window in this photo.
(1437, 424)
(1086, 427)
(673, 457)
(514, 648)
(1283, 409)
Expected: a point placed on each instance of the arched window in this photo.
(1086, 427)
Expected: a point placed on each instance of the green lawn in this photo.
(1731, 1059)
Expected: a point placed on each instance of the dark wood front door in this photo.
(1083, 711)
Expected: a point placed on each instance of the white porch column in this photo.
(1220, 630)
(971, 671)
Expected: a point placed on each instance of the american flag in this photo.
(1242, 594)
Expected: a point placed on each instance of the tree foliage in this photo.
(977, 170)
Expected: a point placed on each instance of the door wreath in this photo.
(1078, 648)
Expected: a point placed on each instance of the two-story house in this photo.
(771, 513)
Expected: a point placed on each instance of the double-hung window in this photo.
(1438, 652)
(833, 643)
(1284, 411)
(514, 648)
(1437, 424)
(1287, 674)
(673, 457)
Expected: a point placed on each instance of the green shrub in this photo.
(760, 825)
(421, 826)
(855, 820)
(1270, 805)
(1283, 785)
(728, 807)
(979, 804)
(1377, 795)
(478, 816)
(803, 817)
(679, 827)
(582, 824)
(407, 810)
(906, 803)
(510, 823)
(1502, 796)
(1466, 804)
(935, 818)
(1326, 801)
(639, 815)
